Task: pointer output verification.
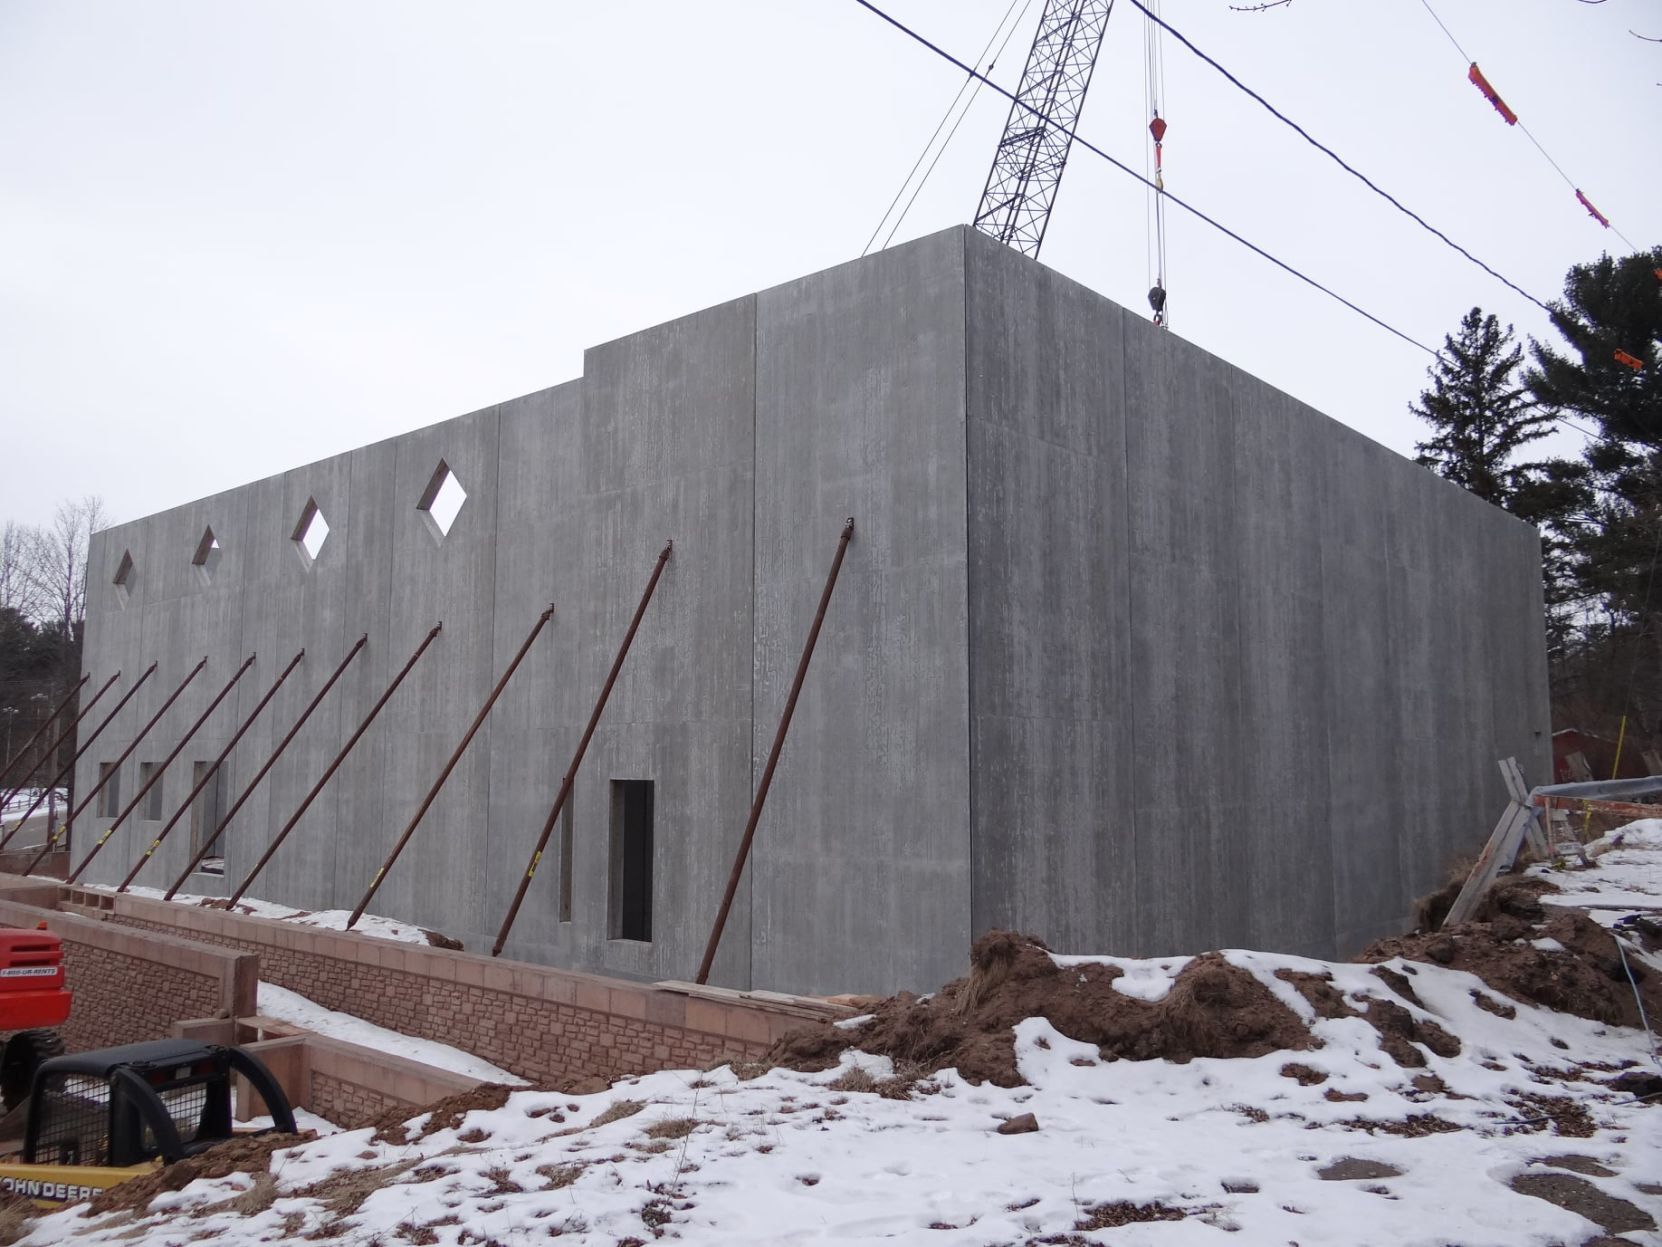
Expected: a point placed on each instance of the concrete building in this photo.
(1130, 650)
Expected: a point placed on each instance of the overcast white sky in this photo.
(237, 237)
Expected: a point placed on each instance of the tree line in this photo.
(1491, 399)
(43, 609)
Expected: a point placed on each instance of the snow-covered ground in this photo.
(279, 1002)
(1626, 875)
(1490, 1144)
(18, 805)
(329, 919)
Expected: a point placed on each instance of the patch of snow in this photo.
(279, 1002)
(327, 919)
(853, 1024)
(1547, 945)
(1141, 979)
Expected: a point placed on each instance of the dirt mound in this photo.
(1214, 1009)
(445, 1114)
(1516, 896)
(1585, 977)
(250, 1155)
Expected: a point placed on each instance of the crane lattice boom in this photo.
(1027, 167)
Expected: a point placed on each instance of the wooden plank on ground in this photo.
(1496, 856)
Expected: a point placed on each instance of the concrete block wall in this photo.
(554, 1027)
(131, 985)
(1130, 649)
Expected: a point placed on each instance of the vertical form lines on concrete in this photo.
(23, 749)
(455, 757)
(582, 747)
(779, 735)
(207, 776)
(329, 772)
(115, 767)
(157, 773)
(69, 767)
(242, 798)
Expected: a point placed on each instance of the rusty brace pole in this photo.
(577, 758)
(23, 749)
(329, 773)
(242, 797)
(115, 768)
(87, 744)
(773, 759)
(157, 772)
(213, 769)
(432, 794)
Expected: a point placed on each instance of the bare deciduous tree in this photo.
(54, 566)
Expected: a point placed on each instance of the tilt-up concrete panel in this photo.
(449, 578)
(666, 452)
(861, 870)
(1051, 731)
(540, 558)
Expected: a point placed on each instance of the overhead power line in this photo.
(916, 37)
(1336, 158)
(1130, 172)
(1512, 118)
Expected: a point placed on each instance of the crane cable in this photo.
(979, 83)
(1487, 90)
(1154, 85)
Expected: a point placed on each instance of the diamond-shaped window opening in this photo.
(310, 533)
(206, 558)
(125, 579)
(441, 501)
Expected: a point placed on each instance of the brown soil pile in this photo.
(1213, 1010)
(445, 1114)
(247, 1155)
(1586, 979)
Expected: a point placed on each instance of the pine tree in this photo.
(1480, 412)
(1610, 377)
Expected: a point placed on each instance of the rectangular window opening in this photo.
(565, 858)
(630, 908)
(205, 813)
(109, 797)
(151, 811)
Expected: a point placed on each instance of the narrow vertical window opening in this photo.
(152, 809)
(205, 813)
(630, 916)
(109, 797)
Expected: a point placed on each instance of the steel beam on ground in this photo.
(455, 757)
(779, 735)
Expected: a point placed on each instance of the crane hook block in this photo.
(1157, 299)
(1490, 94)
(1157, 128)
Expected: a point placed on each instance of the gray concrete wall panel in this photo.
(1130, 650)
(861, 872)
(1049, 605)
